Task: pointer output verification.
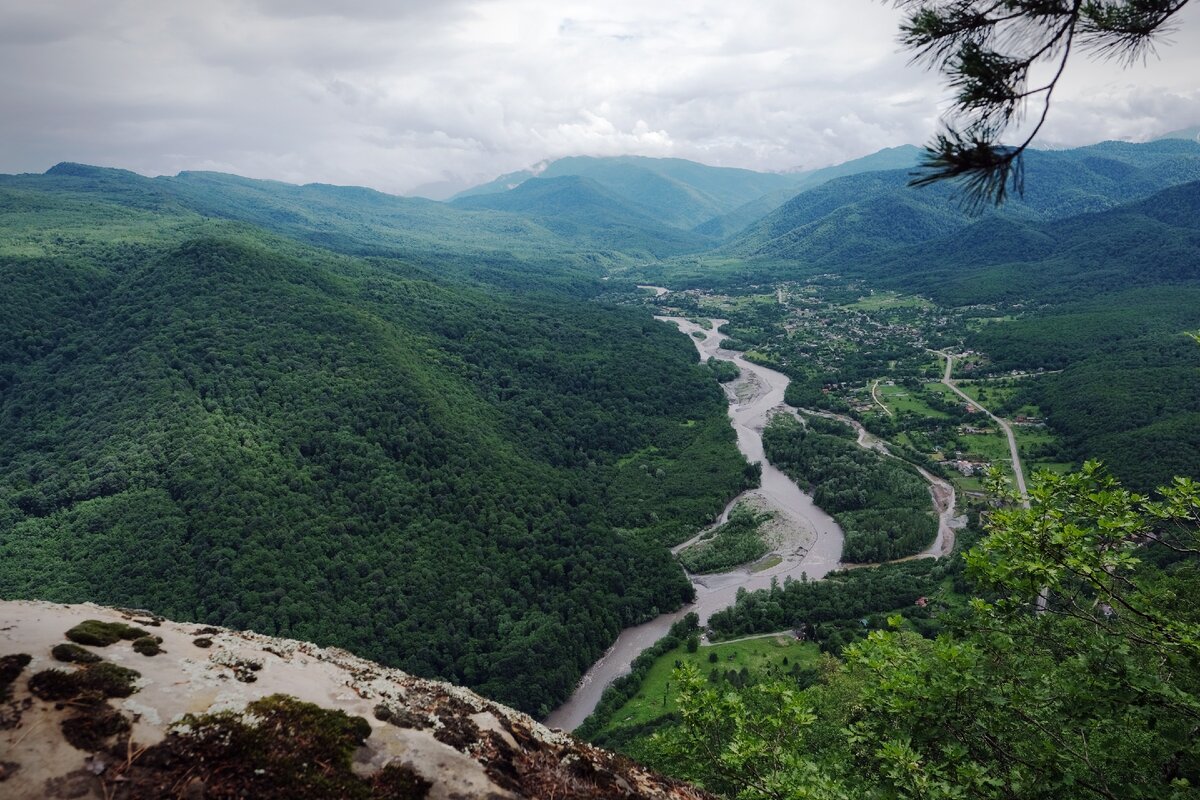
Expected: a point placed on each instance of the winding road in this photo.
(1017, 469)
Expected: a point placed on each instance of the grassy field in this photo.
(879, 301)
(965, 483)
(1057, 467)
(901, 399)
(989, 396)
(758, 656)
(939, 388)
(1029, 436)
(980, 322)
(993, 395)
(991, 446)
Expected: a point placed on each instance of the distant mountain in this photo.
(584, 211)
(352, 217)
(678, 193)
(906, 156)
(1149, 242)
(714, 202)
(848, 219)
(490, 245)
(1191, 134)
(903, 157)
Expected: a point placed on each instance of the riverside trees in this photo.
(1097, 697)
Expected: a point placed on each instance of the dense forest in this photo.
(736, 542)
(882, 504)
(1127, 390)
(844, 606)
(204, 418)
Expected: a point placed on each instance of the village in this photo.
(878, 357)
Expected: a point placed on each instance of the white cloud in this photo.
(399, 93)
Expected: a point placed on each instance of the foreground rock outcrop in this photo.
(109, 703)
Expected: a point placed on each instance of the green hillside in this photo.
(488, 246)
(209, 419)
(678, 193)
(1106, 298)
(890, 158)
(585, 213)
(836, 225)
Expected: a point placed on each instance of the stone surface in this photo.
(463, 745)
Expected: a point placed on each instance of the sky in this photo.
(431, 96)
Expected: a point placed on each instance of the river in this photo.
(814, 548)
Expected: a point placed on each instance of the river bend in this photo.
(812, 547)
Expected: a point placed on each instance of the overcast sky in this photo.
(404, 95)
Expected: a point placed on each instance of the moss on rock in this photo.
(280, 747)
(97, 633)
(148, 645)
(103, 679)
(10, 668)
(93, 724)
(73, 653)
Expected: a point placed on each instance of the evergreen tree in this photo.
(986, 50)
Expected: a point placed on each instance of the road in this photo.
(875, 397)
(1043, 597)
(1018, 470)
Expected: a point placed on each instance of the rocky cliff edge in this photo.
(99, 702)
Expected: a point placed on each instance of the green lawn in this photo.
(1057, 467)
(1030, 436)
(901, 399)
(993, 446)
(989, 395)
(939, 388)
(974, 483)
(655, 697)
(878, 301)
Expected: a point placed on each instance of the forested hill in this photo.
(890, 158)
(839, 224)
(679, 193)
(1144, 243)
(204, 414)
(583, 211)
(487, 246)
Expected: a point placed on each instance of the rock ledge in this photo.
(221, 713)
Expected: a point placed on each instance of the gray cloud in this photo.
(399, 94)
